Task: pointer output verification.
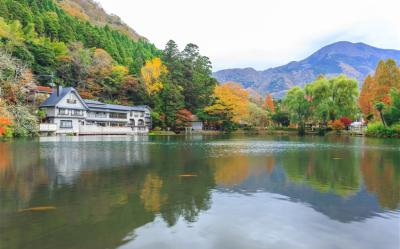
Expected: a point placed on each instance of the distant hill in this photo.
(355, 60)
(91, 11)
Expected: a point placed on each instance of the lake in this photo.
(200, 192)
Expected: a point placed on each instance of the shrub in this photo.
(5, 127)
(25, 124)
(337, 125)
(346, 121)
(157, 128)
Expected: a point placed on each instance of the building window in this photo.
(118, 115)
(63, 111)
(77, 113)
(71, 101)
(66, 124)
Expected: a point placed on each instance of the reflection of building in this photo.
(67, 112)
(69, 159)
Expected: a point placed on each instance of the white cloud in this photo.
(261, 33)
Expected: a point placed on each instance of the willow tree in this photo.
(298, 105)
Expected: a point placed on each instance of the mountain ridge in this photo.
(355, 60)
(89, 10)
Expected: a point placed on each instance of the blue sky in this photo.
(261, 33)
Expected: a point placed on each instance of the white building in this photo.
(68, 113)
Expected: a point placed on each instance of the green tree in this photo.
(298, 106)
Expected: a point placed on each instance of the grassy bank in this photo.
(379, 130)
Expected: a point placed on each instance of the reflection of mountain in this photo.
(327, 179)
(359, 206)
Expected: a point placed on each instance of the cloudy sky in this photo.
(261, 33)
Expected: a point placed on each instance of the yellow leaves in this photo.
(232, 101)
(151, 73)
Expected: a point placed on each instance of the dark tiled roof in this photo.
(88, 103)
(94, 102)
(54, 98)
(109, 107)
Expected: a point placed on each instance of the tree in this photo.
(183, 119)
(151, 74)
(345, 121)
(231, 103)
(379, 106)
(365, 101)
(392, 113)
(257, 116)
(387, 76)
(298, 105)
(281, 118)
(269, 103)
(332, 98)
(5, 127)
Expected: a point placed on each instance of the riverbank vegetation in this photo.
(380, 100)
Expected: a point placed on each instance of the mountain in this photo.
(355, 60)
(91, 11)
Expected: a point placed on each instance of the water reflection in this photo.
(104, 189)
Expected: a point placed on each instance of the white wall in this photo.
(63, 103)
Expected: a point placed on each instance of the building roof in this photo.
(93, 102)
(43, 89)
(109, 107)
(143, 107)
(53, 99)
(90, 104)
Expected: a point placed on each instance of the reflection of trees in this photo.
(381, 174)
(324, 170)
(270, 164)
(20, 173)
(99, 206)
(230, 171)
(151, 193)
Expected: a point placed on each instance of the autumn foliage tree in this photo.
(269, 103)
(5, 127)
(183, 118)
(366, 96)
(151, 74)
(377, 87)
(231, 102)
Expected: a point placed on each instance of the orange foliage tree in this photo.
(377, 88)
(5, 127)
(269, 103)
(231, 102)
(366, 96)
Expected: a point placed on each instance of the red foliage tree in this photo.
(346, 121)
(183, 118)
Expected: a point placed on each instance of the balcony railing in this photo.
(48, 127)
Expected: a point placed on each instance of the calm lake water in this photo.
(200, 192)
